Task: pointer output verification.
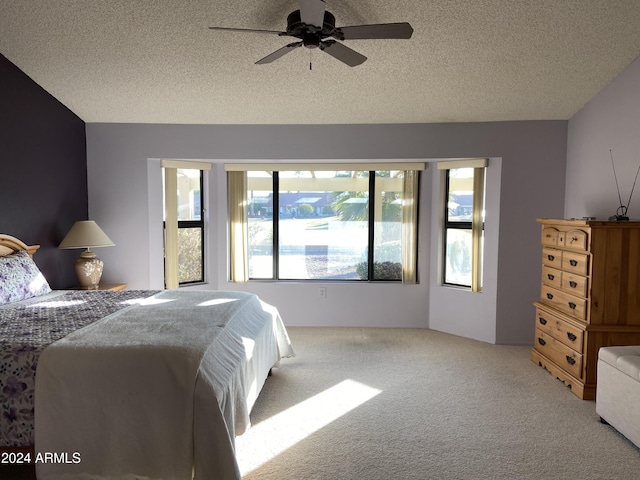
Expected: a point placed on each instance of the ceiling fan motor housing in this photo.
(310, 35)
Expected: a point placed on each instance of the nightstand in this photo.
(108, 286)
(112, 286)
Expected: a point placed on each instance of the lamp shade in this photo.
(86, 234)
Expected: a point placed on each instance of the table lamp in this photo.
(87, 234)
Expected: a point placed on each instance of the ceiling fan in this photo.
(314, 26)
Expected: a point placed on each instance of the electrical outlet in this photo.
(322, 292)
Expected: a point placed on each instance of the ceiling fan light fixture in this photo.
(311, 40)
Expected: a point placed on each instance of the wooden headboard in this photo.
(9, 245)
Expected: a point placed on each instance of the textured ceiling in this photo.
(155, 61)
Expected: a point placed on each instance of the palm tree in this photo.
(354, 205)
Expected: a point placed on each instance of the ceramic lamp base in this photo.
(89, 270)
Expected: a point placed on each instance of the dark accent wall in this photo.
(43, 171)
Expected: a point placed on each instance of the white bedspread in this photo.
(157, 390)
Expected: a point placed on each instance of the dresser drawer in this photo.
(574, 284)
(560, 330)
(564, 302)
(577, 239)
(551, 276)
(552, 257)
(549, 236)
(560, 354)
(575, 263)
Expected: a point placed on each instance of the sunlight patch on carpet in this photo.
(275, 435)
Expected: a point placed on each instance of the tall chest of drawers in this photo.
(589, 297)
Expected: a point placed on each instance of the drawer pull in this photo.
(573, 239)
(573, 263)
(573, 284)
(550, 276)
(550, 257)
(571, 336)
(550, 296)
(542, 321)
(572, 305)
(541, 341)
(571, 360)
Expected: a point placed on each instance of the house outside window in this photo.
(321, 224)
(463, 226)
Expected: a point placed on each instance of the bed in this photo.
(131, 384)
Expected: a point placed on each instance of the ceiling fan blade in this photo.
(342, 53)
(279, 53)
(312, 12)
(250, 30)
(382, 30)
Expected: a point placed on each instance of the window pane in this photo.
(464, 234)
(190, 255)
(460, 201)
(323, 225)
(190, 227)
(458, 257)
(387, 253)
(260, 198)
(323, 230)
(189, 201)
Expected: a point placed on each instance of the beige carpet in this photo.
(416, 404)
(396, 404)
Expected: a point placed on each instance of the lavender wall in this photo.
(124, 187)
(43, 171)
(611, 120)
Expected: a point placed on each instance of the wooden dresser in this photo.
(589, 297)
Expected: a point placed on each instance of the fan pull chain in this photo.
(310, 67)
